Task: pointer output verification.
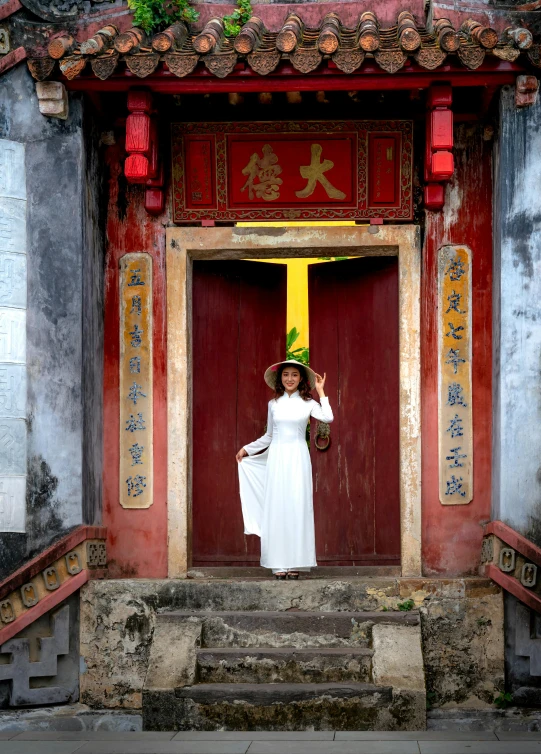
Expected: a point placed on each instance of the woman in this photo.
(276, 486)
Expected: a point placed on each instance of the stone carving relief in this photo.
(507, 560)
(528, 575)
(21, 670)
(96, 555)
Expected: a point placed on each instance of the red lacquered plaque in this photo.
(335, 170)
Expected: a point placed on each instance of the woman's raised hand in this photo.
(320, 383)
(240, 455)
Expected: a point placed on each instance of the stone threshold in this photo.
(340, 573)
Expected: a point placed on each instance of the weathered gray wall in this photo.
(517, 319)
(517, 356)
(65, 252)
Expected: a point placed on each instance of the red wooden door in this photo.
(353, 307)
(239, 327)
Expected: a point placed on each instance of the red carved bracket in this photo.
(514, 587)
(439, 161)
(513, 562)
(143, 164)
(35, 566)
(61, 570)
(515, 540)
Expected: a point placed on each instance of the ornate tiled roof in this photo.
(180, 49)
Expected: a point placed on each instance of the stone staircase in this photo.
(285, 670)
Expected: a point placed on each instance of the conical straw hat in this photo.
(271, 372)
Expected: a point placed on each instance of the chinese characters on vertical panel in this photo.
(136, 461)
(455, 392)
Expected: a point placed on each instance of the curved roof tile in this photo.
(179, 48)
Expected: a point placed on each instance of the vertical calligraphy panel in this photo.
(455, 392)
(12, 337)
(136, 404)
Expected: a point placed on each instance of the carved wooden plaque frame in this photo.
(294, 170)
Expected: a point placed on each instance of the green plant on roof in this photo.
(234, 22)
(154, 15)
(300, 353)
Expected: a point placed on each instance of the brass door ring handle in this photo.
(323, 432)
(327, 443)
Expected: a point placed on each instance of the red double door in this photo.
(239, 325)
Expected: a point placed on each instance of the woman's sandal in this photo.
(281, 576)
(292, 574)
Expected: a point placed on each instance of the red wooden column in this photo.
(452, 535)
(136, 539)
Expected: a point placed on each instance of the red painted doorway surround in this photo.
(353, 309)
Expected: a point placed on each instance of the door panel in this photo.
(353, 307)
(239, 325)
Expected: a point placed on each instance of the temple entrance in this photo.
(355, 523)
(239, 328)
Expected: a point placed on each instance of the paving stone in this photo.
(39, 747)
(414, 735)
(7, 735)
(513, 735)
(334, 747)
(480, 747)
(254, 735)
(163, 747)
(93, 735)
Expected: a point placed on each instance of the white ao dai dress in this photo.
(276, 487)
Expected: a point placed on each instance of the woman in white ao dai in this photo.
(276, 487)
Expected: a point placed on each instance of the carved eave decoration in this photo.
(181, 50)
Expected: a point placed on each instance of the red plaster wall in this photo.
(452, 534)
(137, 539)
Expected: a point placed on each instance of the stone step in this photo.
(328, 594)
(284, 665)
(296, 628)
(268, 706)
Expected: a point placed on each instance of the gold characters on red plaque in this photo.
(266, 170)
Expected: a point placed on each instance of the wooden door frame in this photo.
(183, 245)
